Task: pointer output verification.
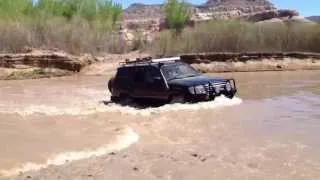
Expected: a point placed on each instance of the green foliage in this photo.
(75, 26)
(177, 15)
(104, 12)
(14, 9)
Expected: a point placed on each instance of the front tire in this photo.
(115, 99)
(230, 95)
(177, 100)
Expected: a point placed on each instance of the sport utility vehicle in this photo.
(166, 80)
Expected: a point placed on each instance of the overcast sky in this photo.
(305, 7)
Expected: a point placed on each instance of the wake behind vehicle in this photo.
(166, 80)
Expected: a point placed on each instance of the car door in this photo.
(139, 85)
(148, 83)
(155, 84)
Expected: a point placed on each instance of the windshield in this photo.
(177, 71)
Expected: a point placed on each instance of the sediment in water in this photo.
(123, 141)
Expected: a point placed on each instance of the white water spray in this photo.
(89, 107)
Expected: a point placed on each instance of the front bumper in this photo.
(215, 89)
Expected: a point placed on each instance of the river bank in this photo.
(45, 64)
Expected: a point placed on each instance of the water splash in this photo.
(123, 141)
(87, 108)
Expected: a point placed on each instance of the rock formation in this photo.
(314, 18)
(43, 59)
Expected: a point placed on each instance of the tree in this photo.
(177, 15)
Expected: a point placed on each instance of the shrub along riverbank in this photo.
(75, 26)
(239, 36)
(88, 26)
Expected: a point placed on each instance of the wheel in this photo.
(230, 95)
(212, 97)
(110, 84)
(115, 99)
(122, 99)
(125, 99)
(177, 99)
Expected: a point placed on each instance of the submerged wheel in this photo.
(230, 95)
(115, 99)
(177, 100)
(212, 97)
(122, 99)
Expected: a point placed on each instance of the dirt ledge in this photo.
(253, 61)
(41, 64)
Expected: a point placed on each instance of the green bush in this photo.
(76, 26)
(177, 15)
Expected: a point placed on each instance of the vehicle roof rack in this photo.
(149, 60)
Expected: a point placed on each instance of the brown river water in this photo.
(64, 127)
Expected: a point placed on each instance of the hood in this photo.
(197, 80)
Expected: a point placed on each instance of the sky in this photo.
(305, 7)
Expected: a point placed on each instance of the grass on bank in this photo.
(89, 26)
(76, 26)
(239, 36)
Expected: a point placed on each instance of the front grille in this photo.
(212, 88)
(209, 88)
(218, 87)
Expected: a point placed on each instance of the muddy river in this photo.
(66, 128)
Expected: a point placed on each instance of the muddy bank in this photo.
(244, 57)
(44, 64)
(223, 62)
(252, 62)
(286, 64)
(40, 64)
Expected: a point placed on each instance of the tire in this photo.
(212, 98)
(177, 100)
(230, 95)
(115, 99)
(125, 99)
(122, 99)
(110, 83)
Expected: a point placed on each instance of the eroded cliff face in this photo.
(143, 21)
(225, 9)
(211, 9)
(151, 18)
(40, 63)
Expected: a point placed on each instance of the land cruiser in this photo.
(167, 80)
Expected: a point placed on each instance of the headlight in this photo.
(217, 89)
(191, 90)
(200, 89)
(228, 87)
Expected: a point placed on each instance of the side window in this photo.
(124, 72)
(152, 73)
(147, 75)
(140, 74)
